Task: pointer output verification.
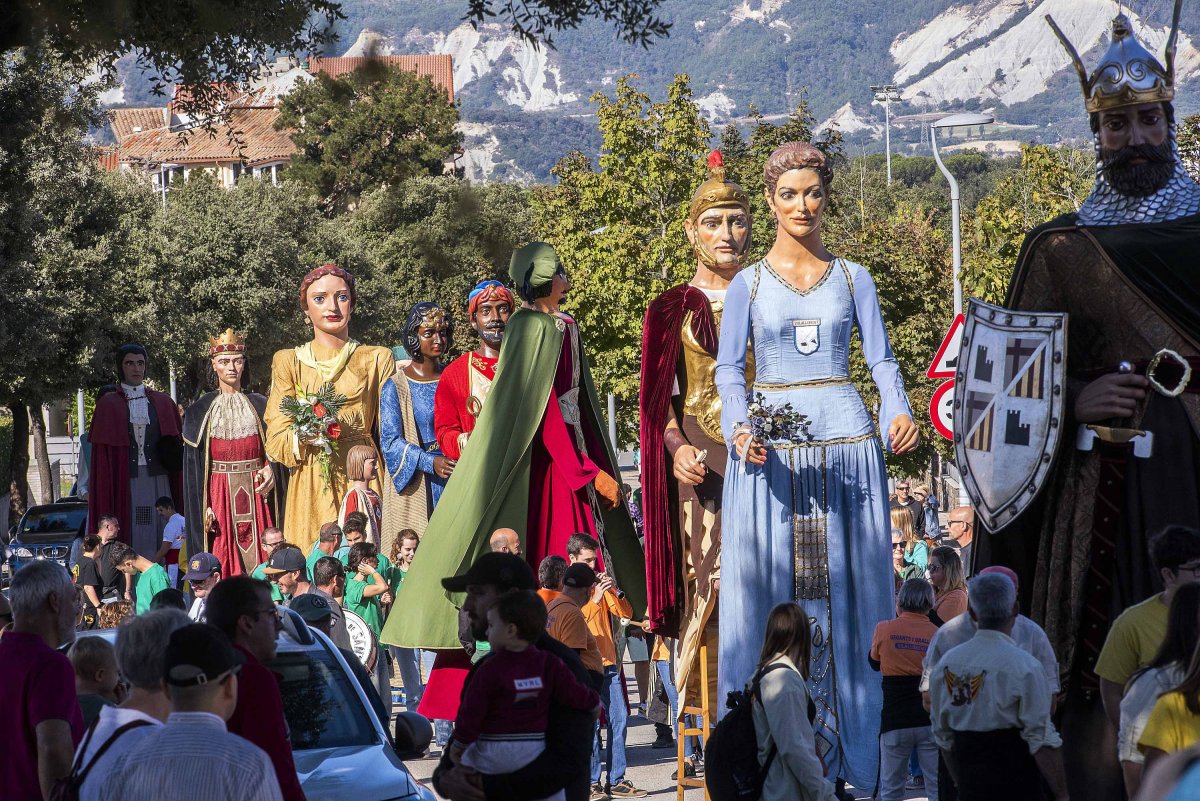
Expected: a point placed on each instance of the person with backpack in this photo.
(141, 646)
(764, 747)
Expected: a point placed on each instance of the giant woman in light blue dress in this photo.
(807, 521)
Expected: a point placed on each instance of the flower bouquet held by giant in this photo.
(314, 420)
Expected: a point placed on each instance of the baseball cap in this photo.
(505, 570)
(313, 608)
(285, 560)
(201, 566)
(197, 654)
(579, 576)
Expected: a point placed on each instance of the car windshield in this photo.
(66, 521)
(321, 702)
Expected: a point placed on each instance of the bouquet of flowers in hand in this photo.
(779, 423)
(314, 418)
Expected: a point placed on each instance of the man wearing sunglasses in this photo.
(242, 609)
(905, 500)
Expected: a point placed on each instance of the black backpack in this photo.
(67, 788)
(731, 769)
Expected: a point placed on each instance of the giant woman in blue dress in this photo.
(416, 467)
(807, 521)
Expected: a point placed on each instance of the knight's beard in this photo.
(1139, 180)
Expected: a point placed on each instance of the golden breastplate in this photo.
(702, 400)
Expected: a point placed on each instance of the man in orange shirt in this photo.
(565, 623)
(550, 577)
(605, 602)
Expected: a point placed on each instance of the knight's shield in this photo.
(1008, 407)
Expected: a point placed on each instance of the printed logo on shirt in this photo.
(963, 689)
(528, 691)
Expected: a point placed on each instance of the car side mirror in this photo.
(413, 735)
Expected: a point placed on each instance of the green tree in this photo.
(618, 226)
(213, 259)
(59, 237)
(376, 126)
(1189, 145)
(204, 44)
(635, 20)
(1050, 181)
(430, 238)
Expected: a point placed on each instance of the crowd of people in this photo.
(463, 527)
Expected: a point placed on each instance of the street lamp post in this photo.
(885, 95)
(955, 121)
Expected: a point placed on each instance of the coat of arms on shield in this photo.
(1008, 406)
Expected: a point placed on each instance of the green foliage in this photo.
(214, 259)
(1050, 181)
(200, 43)
(619, 227)
(217, 258)
(1188, 133)
(376, 126)
(59, 229)
(635, 20)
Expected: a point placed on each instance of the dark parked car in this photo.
(51, 531)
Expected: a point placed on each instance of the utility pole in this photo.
(886, 94)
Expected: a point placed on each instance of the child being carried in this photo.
(502, 719)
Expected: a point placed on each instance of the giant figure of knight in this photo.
(537, 462)
(1123, 268)
(232, 493)
(136, 454)
(683, 452)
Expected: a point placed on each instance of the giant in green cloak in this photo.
(491, 484)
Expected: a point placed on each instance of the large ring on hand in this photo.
(1185, 375)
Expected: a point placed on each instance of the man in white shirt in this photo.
(193, 750)
(1028, 636)
(991, 707)
(203, 571)
(141, 643)
(173, 537)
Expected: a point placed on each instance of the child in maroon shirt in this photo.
(502, 720)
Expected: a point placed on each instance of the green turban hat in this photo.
(535, 264)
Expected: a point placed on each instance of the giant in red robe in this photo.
(461, 391)
(111, 438)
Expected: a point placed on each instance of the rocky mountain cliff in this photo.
(524, 107)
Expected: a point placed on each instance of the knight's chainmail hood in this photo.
(1106, 206)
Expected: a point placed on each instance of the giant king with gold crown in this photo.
(231, 492)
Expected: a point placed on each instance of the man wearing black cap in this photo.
(288, 570)
(203, 571)
(193, 750)
(565, 762)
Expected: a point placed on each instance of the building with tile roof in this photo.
(245, 140)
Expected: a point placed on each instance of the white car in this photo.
(342, 751)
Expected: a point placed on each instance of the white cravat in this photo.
(139, 416)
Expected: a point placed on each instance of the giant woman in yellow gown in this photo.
(357, 371)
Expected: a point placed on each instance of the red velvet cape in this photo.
(660, 357)
(108, 478)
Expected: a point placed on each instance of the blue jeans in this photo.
(664, 675)
(408, 662)
(613, 699)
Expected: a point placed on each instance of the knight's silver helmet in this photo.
(1129, 75)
